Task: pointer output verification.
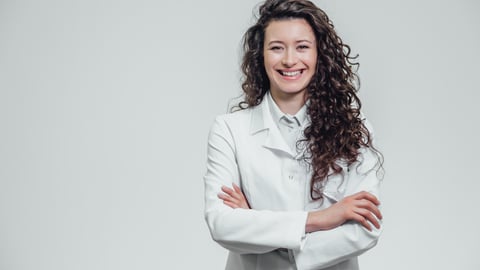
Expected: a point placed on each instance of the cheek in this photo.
(270, 75)
(269, 64)
(269, 61)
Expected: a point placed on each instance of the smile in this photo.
(290, 73)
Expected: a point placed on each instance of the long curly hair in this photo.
(336, 131)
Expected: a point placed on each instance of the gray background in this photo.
(105, 108)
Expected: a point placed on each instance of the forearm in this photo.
(326, 246)
(253, 231)
(329, 247)
(311, 224)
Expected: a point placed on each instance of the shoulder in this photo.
(232, 124)
(236, 116)
(237, 119)
(228, 128)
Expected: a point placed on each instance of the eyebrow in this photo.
(298, 41)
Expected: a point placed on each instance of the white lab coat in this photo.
(247, 148)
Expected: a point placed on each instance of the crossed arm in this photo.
(318, 238)
(361, 207)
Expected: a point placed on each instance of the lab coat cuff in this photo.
(298, 230)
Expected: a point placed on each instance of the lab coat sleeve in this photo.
(326, 248)
(243, 230)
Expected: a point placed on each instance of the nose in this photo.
(289, 58)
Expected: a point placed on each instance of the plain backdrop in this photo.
(105, 108)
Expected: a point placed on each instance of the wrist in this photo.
(312, 224)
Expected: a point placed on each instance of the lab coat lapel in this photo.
(262, 122)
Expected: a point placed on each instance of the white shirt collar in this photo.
(277, 114)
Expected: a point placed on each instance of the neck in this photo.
(289, 103)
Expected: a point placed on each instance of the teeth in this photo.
(290, 73)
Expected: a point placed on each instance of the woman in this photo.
(291, 178)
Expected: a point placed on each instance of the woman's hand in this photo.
(234, 197)
(361, 207)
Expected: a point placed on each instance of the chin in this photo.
(293, 90)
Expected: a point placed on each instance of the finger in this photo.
(231, 205)
(230, 201)
(363, 221)
(222, 196)
(237, 192)
(233, 193)
(367, 195)
(370, 207)
(368, 216)
(236, 188)
(228, 190)
(226, 197)
(240, 196)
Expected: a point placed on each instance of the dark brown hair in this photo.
(336, 131)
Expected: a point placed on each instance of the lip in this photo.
(293, 74)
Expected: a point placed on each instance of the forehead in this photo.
(289, 29)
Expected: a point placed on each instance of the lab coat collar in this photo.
(259, 117)
(262, 121)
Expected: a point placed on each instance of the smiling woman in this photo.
(290, 59)
(291, 179)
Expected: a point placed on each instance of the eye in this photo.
(303, 47)
(275, 48)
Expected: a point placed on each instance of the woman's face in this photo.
(290, 57)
